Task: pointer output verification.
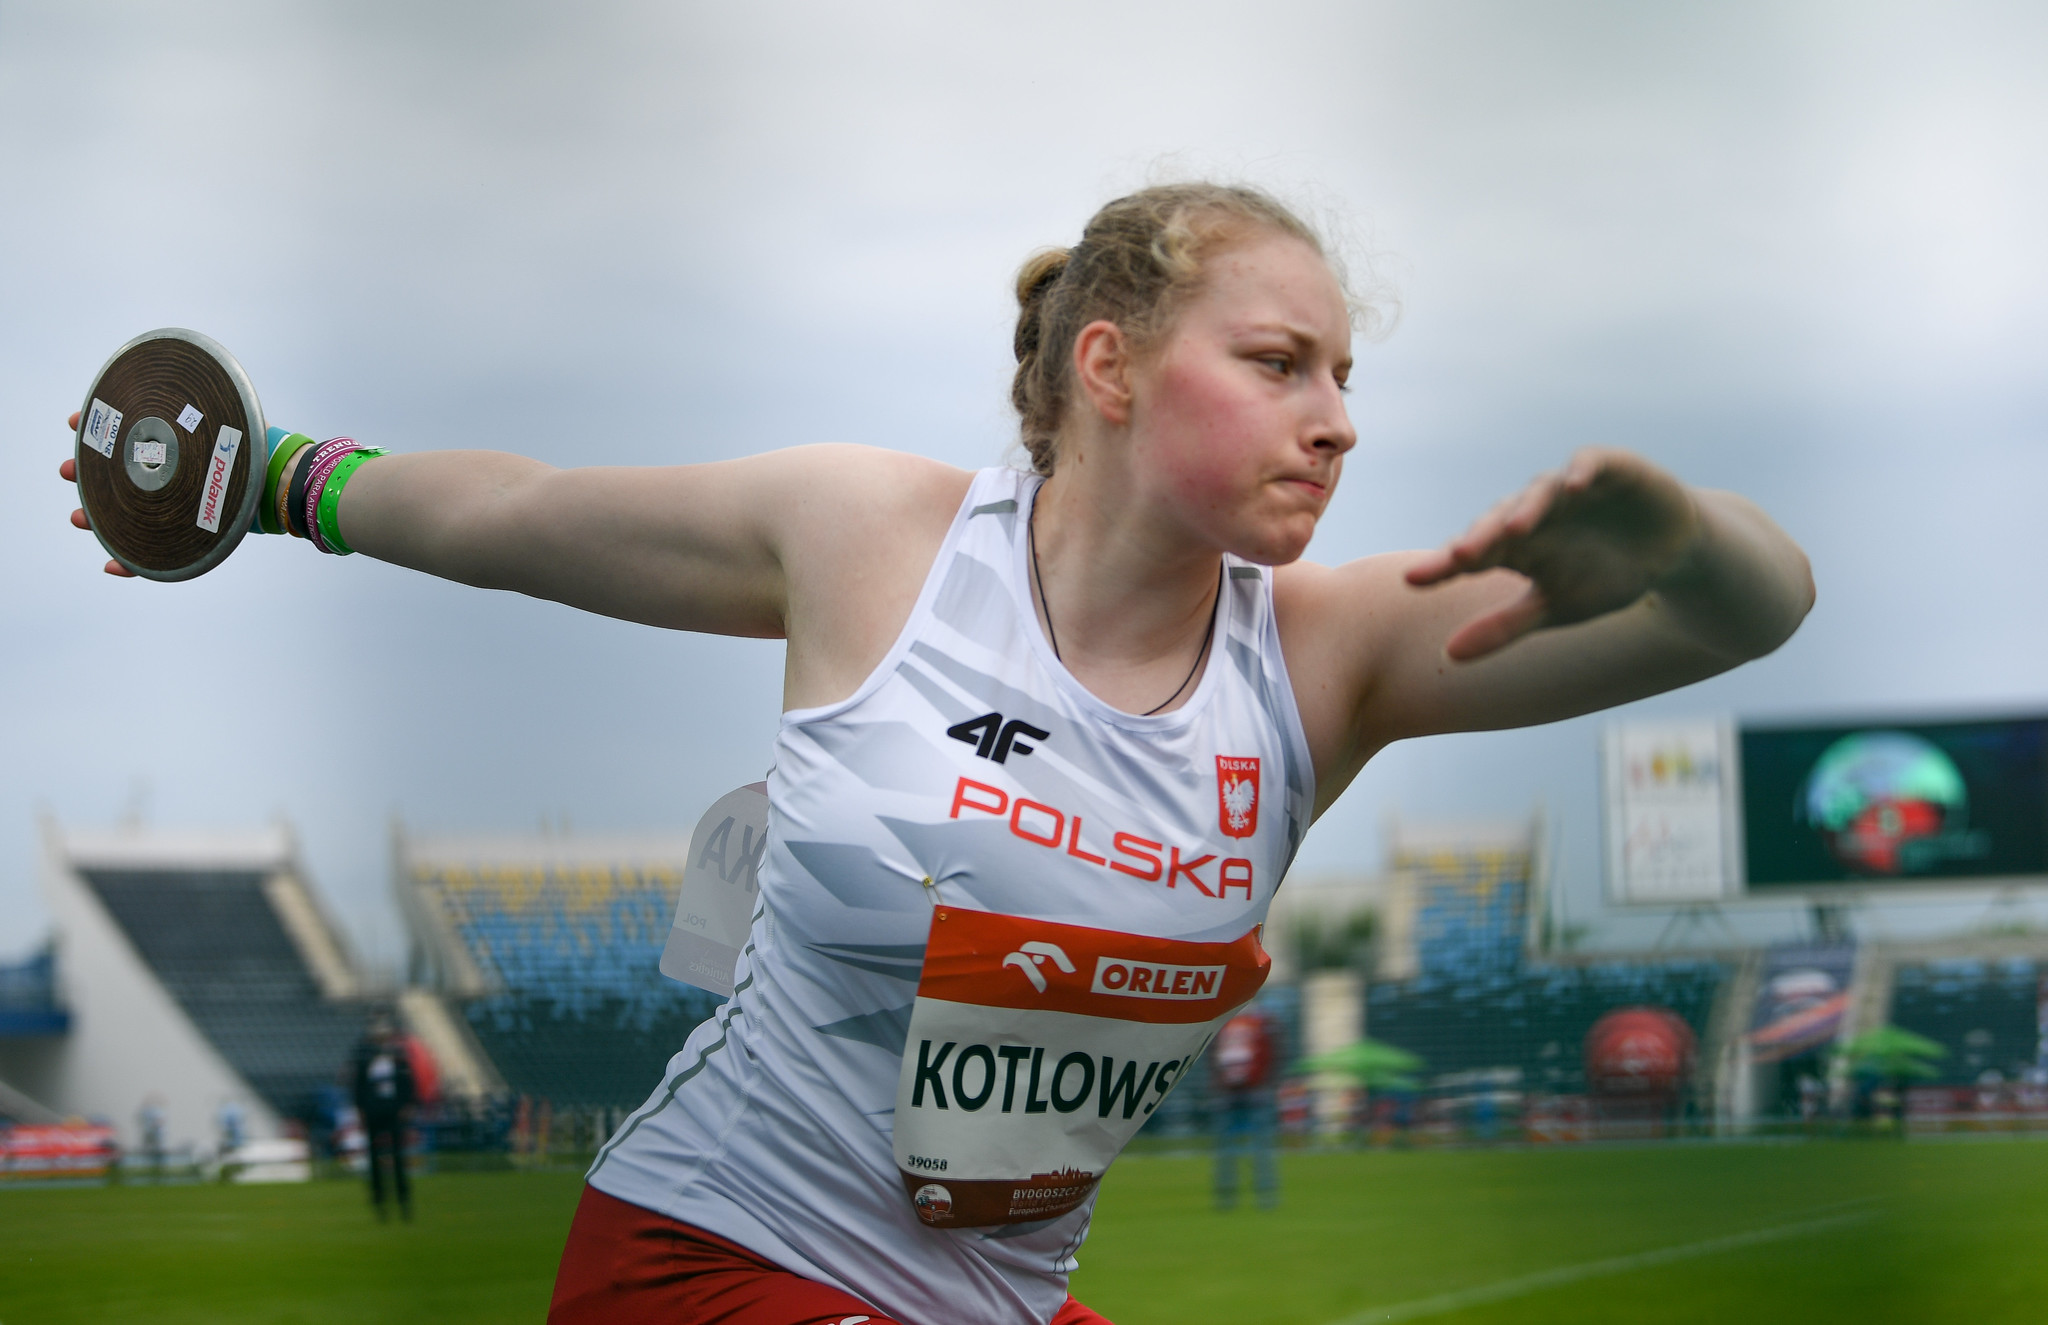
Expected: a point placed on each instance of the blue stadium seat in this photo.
(28, 998)
(582, 1015)
(1478, 1002)
(1985, 1013)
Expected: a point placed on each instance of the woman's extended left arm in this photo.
(1604, 583)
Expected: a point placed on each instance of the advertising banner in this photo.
(1894, 804)
(1800, 1000)
(1671, 822)
(67, 1150)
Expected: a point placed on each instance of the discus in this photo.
(171, 454)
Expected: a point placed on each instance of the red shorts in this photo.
(625, 1265)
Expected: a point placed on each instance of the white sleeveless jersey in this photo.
(971, 773)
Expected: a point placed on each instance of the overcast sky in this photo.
(1791, 249)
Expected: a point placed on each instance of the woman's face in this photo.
(1237, 416)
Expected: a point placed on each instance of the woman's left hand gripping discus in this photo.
(171, 453)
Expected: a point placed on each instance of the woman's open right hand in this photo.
(68, 471)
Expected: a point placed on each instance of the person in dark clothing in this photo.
(1242, 1086)
(384, 1094)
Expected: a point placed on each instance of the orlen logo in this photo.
(1129, 978)
(1030, 956)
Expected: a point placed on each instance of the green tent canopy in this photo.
(1889, 1051)
(1371, 1063)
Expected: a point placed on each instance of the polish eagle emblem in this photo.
(1237, 795)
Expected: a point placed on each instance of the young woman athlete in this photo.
(1050, 740)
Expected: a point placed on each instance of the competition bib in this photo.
(1036, 1052)
(715, 904)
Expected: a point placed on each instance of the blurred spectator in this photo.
(149, 1122)
(426, 1077)
(1241, 1077)
(384, 1095)
(1812, 1097)
(1297, 1107)
(231, 1120)
(346, 1141)
(1485, 1114)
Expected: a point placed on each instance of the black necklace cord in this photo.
(1052, 636)
(1215, 609)
(1044, 603)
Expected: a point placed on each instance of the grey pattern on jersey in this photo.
(772, 1126)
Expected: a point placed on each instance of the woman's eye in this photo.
(1279, 363)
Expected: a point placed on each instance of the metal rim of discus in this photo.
(147, 516)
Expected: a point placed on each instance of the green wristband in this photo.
(281, 457)
(329, 510)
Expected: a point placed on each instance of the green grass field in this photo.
(1847, 1231)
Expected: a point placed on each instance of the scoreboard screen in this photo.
(1889, 803)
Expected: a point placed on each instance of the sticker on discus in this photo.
(102, 427)
(188, 418)
(1037, 1050)
(715, 905)
(150, 453)
(214, 496)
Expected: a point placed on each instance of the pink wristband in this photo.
(330, 454)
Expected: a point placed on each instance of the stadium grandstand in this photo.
(195, 969)
(1986, 1013)
(1459, 977)
(32, 1016)
(1447, 955)
(549, 947)
(188, 969)
(1982, 998)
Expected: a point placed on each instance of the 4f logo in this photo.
(992, 738)
(1237, 795)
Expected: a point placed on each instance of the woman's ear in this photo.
(1102, 366)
